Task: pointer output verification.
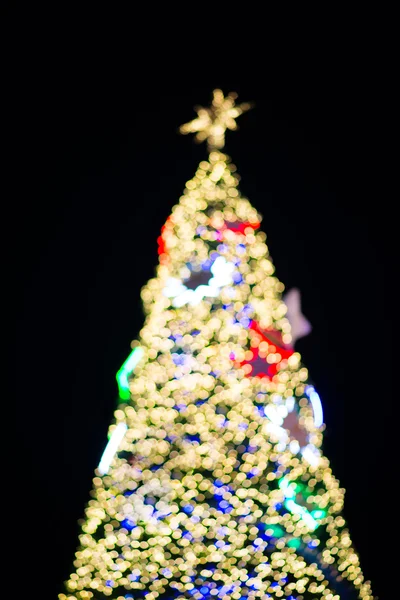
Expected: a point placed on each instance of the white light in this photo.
(316, 405)
(282, 411)
(294, 446)
(222, 275)
(311, 455)
(222, 271)
(111, 448)
(184, 297)
(290, 403)
(273, 415)
(174, 287)
(287, 488)
(276, 432)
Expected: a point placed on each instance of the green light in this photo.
(295, 508)
(126, 370)
(318, 514)
(294, 543)
(304, 514)
(286, 488)
(277, 531)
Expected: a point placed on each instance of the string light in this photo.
(126, 370)
(316, 405)
(214, 484)
(111, 448)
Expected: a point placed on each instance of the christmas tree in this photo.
(213, 483)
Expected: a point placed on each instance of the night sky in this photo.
(95, 167)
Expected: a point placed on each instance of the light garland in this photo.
(218, 487)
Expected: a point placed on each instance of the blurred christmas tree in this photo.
(213, 483)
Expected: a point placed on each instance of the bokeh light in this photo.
(217, 486)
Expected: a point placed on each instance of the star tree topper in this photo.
(211, 123)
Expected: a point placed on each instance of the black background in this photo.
(94, 165)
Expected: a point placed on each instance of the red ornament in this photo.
(236, 227)
(162, 251)
(239, 226)
(258, 365)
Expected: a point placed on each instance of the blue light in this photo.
(127, 524)
(179, 359)
(200, 402)
(166, 572)
(188, 508)
(192, 437)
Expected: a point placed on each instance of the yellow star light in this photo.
(211, 123)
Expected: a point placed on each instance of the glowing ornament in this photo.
(265, 362)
